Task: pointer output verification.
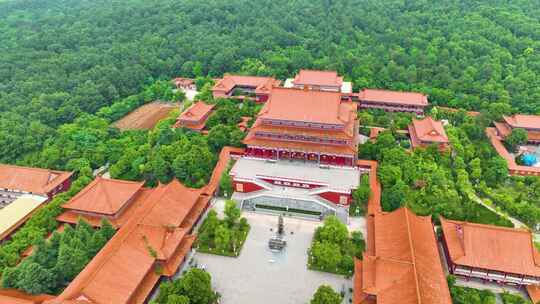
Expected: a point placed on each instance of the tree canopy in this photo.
(79, 56)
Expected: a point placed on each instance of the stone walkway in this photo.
(261, 276)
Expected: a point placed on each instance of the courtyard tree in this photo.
(333, 231)
(176, 299)
(194, 287)
(332, 250)
(326, 255)
(361, 196)
(326, 295)
(223, 238)
(232, 213)
(516, 138)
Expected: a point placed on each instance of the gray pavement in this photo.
(261, 276)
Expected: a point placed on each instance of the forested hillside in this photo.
(61, 58)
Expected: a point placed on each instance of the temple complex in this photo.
(427, 131)
(530, 123)
(491, 253)
(236, 86)
(300, 161)
(393, 101)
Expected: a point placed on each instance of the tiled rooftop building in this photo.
(195, 116)
(319, 81)
(401, 264)
(491, 253)
(126, 270)
(425, 132)
(232, 85)
(530, 123)
(24, 190)
(393, 101)
(111, 199)
(327, 133)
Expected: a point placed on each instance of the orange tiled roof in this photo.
(523, 121)
(325, 108)
(14, 296)
(491, 247)
(534, 293)
(318, 78)
(262, 85)
(73, 217)
(35, 180)
(374, 201)
(179, 81)
(195, 116)
(153, 234)
(393, 97)
(503, 128)
(196, 112)
(306, 106)
(104, 196)
(124, 270)
(501, 150)
(427, 130)
(405, 266)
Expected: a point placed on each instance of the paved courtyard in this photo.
(259, 275)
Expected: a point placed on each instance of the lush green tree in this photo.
(326, 295)
(232, 213)
(395, 196)
(193, 287)
(223, 135)
(177, 299)
(476, 169)
(516, 138)
(333, 230)
(496, 171)
(509, 298)
(35, 279)
(360, 196)
(196, 285)
(222, 238)
(464, 295)
(57, 261)
(326, 255)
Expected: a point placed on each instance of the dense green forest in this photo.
(63, 58)
(70, 68)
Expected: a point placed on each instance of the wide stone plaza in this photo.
(259, 275)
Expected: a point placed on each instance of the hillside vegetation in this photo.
(63, 58)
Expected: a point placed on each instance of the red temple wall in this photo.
(64, 187)
(262, 98)
(247, 187)
(334, 197)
